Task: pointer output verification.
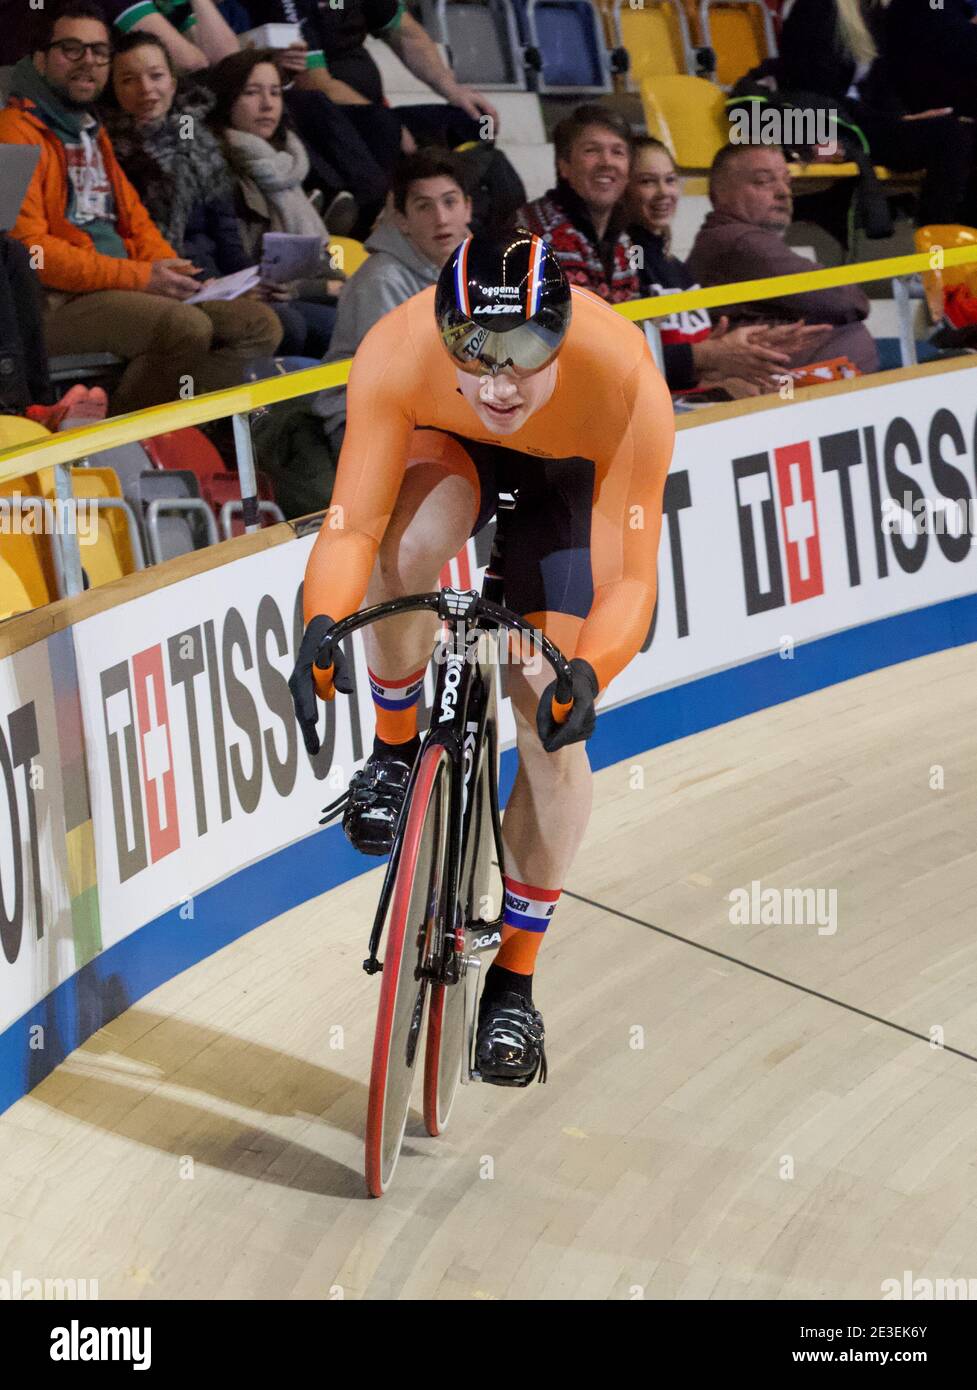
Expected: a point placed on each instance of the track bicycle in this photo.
(435, 905)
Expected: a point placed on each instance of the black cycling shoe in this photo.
(376, 794)
(509, 1047)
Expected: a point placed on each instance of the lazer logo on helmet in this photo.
(495, 309)
(449, 696)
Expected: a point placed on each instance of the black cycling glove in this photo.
(302, 682)
(580, 722)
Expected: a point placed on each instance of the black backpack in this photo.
(496, 189)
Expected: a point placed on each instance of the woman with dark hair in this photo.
(160, 137)
(697, 354)
(270, 165)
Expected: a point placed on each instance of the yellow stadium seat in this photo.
(347, 254)
(15, 430)
(656, 36)
(740, 33)
(109, 555)
(26, 571)
(935, 282)
(689, 115)
(14, 595)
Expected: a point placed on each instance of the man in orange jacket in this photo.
(114, 284)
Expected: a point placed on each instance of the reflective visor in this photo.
(523, 349)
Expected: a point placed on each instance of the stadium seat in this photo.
(219, 489)
(117, 546)
(186, 448)
(481, 40)
(689, 115)
(567, 41)
(175, 518)
(740, 34)
(656, 37)
(27, 576)
(14, 595)
(128, 461)
(347, 254)
(95, 368)
(935, 282)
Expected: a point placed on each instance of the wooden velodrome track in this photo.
(787, 1130)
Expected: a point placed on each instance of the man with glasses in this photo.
(114, 284)
(194, 32)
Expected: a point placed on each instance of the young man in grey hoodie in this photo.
(431, 213)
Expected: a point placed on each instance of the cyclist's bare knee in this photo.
(431, 521)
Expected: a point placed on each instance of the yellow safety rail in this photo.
(143, 424)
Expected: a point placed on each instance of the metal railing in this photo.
(61, 450)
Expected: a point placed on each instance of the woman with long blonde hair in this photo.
(842, 49)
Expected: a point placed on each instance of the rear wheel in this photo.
(417, 899)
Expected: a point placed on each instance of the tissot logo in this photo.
(197, 725)
(862, 470)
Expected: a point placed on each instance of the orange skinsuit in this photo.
(610, 405)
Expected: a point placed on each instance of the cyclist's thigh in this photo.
(439, 501)
(548, 574)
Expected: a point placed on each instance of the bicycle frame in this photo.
(462, 721)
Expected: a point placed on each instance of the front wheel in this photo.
(450, 1017)
(417, 899)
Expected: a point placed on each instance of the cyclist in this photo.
(499, 378)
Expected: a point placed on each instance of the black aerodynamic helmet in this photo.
(502, 302)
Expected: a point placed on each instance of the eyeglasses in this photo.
(73, 49)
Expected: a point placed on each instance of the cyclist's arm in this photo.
(371, 469)
(626, 527)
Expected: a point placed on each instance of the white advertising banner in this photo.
(36, 924)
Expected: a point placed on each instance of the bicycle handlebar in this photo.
(477, 608)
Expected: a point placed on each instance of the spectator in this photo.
(431, 214)
(697, 355)
(831, 47)
(194, 32)
(174, 161)
(583, 218)
(341, 67)
(114, 283)
(743, 239)
(930, 52)
(270, 164)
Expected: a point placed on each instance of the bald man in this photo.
(743, 239)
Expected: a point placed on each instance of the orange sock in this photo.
(528, 912)
(395, 702)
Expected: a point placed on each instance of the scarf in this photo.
(278, 174)
(173, 164)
